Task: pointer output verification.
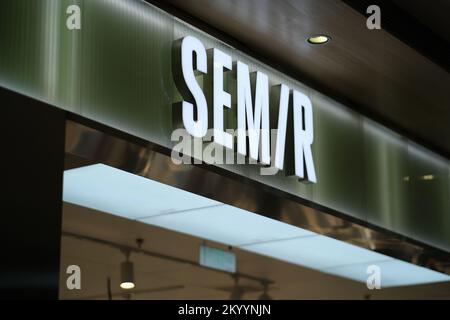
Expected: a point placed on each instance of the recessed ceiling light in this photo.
(319, 39)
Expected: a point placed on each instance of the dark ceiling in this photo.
(433, 14)
(377, 72)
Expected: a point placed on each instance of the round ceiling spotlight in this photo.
(319, 39)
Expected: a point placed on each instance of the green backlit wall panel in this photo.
(22, 48)
(425, 198)
(341, 156)
(126, 68)
(117, 70)
(386, 179)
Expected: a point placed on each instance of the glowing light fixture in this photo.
(130, 196)
(319, 39)
(127, 274)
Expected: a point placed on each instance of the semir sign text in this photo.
(190, 58)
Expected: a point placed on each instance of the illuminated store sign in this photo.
(191, 58)
(363, 169)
